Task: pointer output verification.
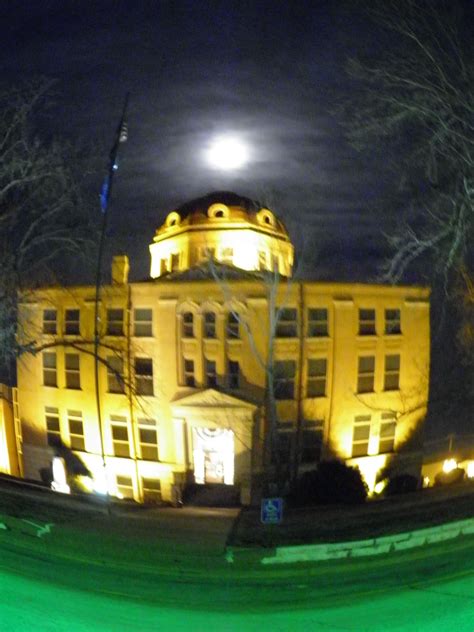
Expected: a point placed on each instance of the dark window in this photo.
(148, 439)
(72, 322)
(144, 376)
(151, 490)
(115, 322)
(284, 379)
(50, 377)
(316, 383)
(233, 325)
(388, 427)
(317, 322)
(73, 371)
(211, 373)
(392, 321)
(287, 324)
(124, 487)
(234, 374)
(189, 378)
(120, 436)
(53, 429)
(209, 325)
(366, 374)
(311, 442)
(361, 435)
(143, 323)
(175, 262)
(392, 372)
(366, 322)
(282, 450)
(115, 380)
(76, 429)
(188, 325)
(50, 318)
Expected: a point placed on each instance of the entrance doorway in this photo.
(213, 451)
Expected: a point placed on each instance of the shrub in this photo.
(448, 478)
(401, 484)
(333, 482)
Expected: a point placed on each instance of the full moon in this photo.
(227, 153)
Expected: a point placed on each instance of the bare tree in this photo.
(44, 211)
(414, 91)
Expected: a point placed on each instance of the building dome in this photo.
(224, 226)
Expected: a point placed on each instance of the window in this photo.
(189, 379)
(361, 435)
(175, 262)
(120, 441)
(115, 322)
(76, 430)
(151, 490)
(366, 322)
(317, 322)
(73, 371)
(71, 322)
(388, 427)
(311, 441)
(50, 377)
(211, 373)
(50, 321)
(316, 384)
(282, 451)
(188, 325)
(233, 324)
(287, 324)
(53, 430)
(124, 487)
(227, 255)
(234, 374)
(115, 381)
(366, 375)
(392, 321)
(148, 437)
(163, 266)
(142, 323)
(144, 376)
(209, 325)
(392, 373)
(284, 372)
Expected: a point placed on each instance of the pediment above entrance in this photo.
(210, 398)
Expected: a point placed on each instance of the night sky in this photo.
(268, 72)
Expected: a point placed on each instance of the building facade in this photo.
(185, 360)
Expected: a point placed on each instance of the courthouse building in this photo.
(184, 364)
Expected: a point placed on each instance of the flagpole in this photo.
(120, 137)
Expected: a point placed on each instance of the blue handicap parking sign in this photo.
(271, 510)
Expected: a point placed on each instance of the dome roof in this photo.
(223, 207)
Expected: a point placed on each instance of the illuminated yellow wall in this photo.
(9, 442)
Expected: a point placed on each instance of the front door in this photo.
(213, 452)
(213, 467)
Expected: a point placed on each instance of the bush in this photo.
(449, 478)
(333, 482)
(401, 484)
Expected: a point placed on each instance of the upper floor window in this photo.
(148, 436)
(73, 370)
(233, 374)
(142, 322)
(209, 325)
(366, 322)
(366, 374)
(392, 372)
(388, 426)
(233, 324)
(361, 435)
(287, 323)
(188, 325)
(120, 441)
(392, 321)
(316, 384)
(189, 378)
(311, 441)
(124, 486)
(50, 321)
(211, 373)
(115, 322)
(317, 322)
(50, 376)
(72, 322)
(144, 376)
(284, 441)
(115, 379)
(76, 430)
(53, 428)
(284, 372)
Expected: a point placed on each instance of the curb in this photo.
(362, 548)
